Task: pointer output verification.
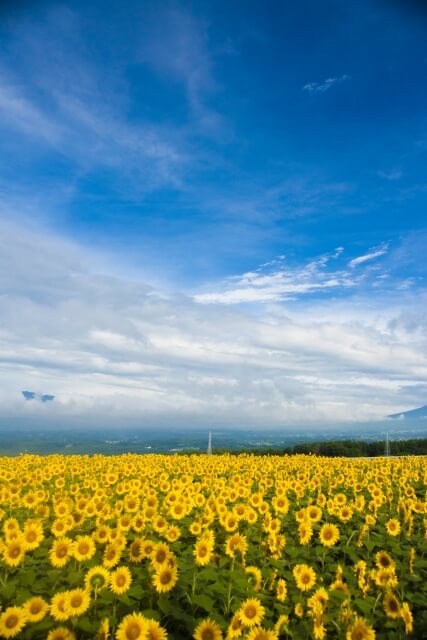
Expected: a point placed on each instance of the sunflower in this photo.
(112, 554)
(384, 561)
(135, 551)
(61, 633)
(314, 513)
(147, 547)
(138, 522)
(120, 580)
(195, 528)
(391, 605)
(84, 548)
(60, 552)
(14, 552)
(258, 633)
(173, 533)
(251, 612)
(234, 543)
(97, 578)
(155, 631)
(11, 524)
(132, 627)
(329, 534)
(281, 590)
(165, 578)
(159, 555)
(103, 632)
(360, 630)
(283, 620)
(235, 628)
(77, 602)
(305, 532)
(207, 630)
(305, 577)
(255, 577)
(319, 629)
(385, 578)
(393, 527)
(102, 534)
(202, 552)
(12, 620)
(407, 617)
(280, 504)
(35, 609)
(60, 527)
(346, 514)
(32, 535)
(58, 607)
(318, 599)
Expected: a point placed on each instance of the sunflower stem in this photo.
(193, 586)
(228, 604)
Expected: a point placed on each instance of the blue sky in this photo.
(213, 209)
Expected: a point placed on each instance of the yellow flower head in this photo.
(165, 578)
(77, 602)
(360, 630)
(329, 535)
(236, 543)
(159, 555)
(207, 630)
(281, 590)
(305, 577)
(393, 527)
(14, 552)
(251, 612)
(202, 552)
(112, 554)
(103, 632)
(61, 633)
(132, 627)
(12, 620)
(407, 617)
(35, 609)
(58, 607)
(235, 628)
(391, 605)
(120, 580)
(60, 552)
(384, 561)
(84, 548)
(155, 631)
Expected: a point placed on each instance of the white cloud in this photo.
(275, 280)
(375, 253)
(110, 349)
(394, 174)
(321, 87)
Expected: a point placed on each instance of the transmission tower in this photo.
(387, 446)
(210, 444)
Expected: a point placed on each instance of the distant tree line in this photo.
(342, 448)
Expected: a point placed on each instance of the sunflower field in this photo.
(215, 547)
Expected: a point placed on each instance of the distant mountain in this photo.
(421, 412)
(41, 397)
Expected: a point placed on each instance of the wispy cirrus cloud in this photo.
(393, 174)
(279, 280)
(320, 87)
(371, 255)
(176, 46)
